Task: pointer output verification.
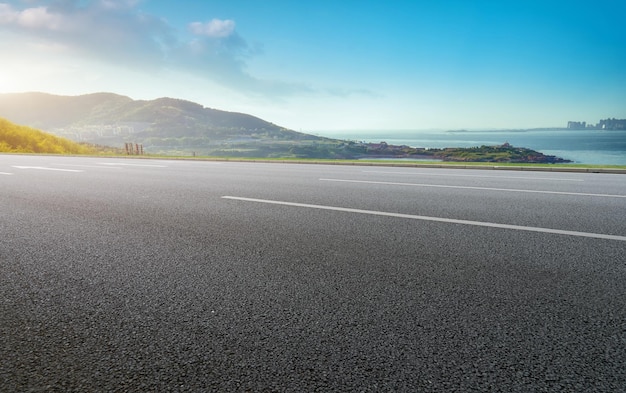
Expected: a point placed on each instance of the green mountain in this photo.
(111, 119)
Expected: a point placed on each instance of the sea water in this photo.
(580, 146)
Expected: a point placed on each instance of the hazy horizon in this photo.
(324, 66)
(364, 129)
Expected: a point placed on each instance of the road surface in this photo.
(158, 275)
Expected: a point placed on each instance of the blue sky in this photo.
(332, 64)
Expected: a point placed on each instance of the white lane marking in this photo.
(5, 173)
(45, 168)
(475, 188)
(435, 219)
(90, 166)
(142, 165)
(459, 175)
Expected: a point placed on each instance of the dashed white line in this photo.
(435, 219)
(91, 166)
(474, 188)
(6, 173)
(140, 165)
(485, 176)
(45, 168)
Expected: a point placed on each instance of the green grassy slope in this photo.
(20, 139)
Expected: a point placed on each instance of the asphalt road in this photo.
(154, 275)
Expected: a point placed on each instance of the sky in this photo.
(321, 66)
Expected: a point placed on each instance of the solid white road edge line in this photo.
(435, 219)
(474, 188)
(459, 175)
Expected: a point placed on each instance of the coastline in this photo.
(593, 147)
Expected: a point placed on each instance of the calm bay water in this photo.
(581, 146)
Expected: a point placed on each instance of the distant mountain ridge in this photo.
(112, 118)
(47, 111)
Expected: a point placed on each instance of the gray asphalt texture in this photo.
(136, 275)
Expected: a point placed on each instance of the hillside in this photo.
(21, 139)
(111, 119)
(178, 127)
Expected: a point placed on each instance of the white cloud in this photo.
(118, 33)
(7, 14)
(39, 18)
(109, 30)
(35, 18)
(216, 28)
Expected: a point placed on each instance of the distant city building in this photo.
(607, 124)
(612, 124)
(576, 125)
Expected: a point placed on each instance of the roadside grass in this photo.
(389, 162)
(364, 162)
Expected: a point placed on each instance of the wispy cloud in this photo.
(338, 92)
(114, 31)
(118, 32)
(37, 18)
(215, 28)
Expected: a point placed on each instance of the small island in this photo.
(501, 153)
(350, 150)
